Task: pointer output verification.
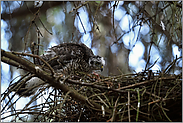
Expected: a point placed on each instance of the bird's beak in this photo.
(102, 67)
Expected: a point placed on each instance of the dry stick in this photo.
(123, 112)
(114, 110)
(164, 112)
(93, 85)
(124, 34)
(51, 110)
(44, 26)
(147, 81)
(149, 51)
(97, 9)
(36, 56)
(160, 98)
(170, 65)
(39, 32)
(26, 36)
(33, 49)
(43, 105)
(77, 13)
(114, 6)
(26, 92)
(13, 96)
(28, 112)
(156, 101)
(129, 106)
(122, 89)
(139, 111)
(33, 99)
(153, 95)
(137, 36)
(138, 105)
(38, 37)
(102, 101)
(61, 105)
(78, 7)
(153, 64)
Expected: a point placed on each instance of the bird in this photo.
(65, 59)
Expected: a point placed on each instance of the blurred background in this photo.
(131, 36)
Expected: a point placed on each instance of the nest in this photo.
(145, 96)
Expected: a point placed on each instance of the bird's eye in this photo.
(91, 62)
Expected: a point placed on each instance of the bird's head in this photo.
(96, 63)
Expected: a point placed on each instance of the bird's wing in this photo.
(63, 54)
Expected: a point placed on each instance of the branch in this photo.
(24, 11)
(53, 81)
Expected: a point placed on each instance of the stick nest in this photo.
(145, 96)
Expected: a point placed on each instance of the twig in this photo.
(138, 105)
(36, 56)
(81, 22)
(140, 111)
(79, 6)
(114, 110)
(170, 65)
(164, 112)
(44, 26)
(148, 81)
(129, 106)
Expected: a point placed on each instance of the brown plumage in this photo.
(66, 59)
